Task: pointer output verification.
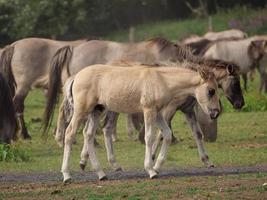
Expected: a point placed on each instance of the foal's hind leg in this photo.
(19, 108)
(191, 118)
(89, 136)
(167, 138)
(108, 130)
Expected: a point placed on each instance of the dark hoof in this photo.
(153, 157)
(67, 181)
(82, 166)
(211, 166)
(174, 140)
(103, 178)
(119, 169)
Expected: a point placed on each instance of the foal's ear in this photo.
(204, 74)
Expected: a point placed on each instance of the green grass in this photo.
(176, 29)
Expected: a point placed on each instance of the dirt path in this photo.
(123, 175)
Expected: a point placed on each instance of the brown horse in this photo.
(25, 65)
(136, 88)
(8, 123)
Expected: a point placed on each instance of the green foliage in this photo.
(13, 153)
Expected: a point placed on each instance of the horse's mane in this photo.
(182, 51)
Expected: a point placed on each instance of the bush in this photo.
(12, 153)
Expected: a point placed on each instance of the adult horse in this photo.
(134, 89)
(247, 53)
(25, 65)
(93, 52)
(8, 124)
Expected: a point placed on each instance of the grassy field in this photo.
(251, 21)
(242, 141)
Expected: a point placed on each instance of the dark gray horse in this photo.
(8, 123)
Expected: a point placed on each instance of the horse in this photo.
(262, 66)
(8, 123)
(94, 52)
(227, 77)
(246, 53)
(134, 89)
(213, 36)
(25, 65)
(231, 33)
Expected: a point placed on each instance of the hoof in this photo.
(82, 166)
(210, 166)
(103, 178)
(153, 157)
(118, 169)
(153, 174)
(67, 181)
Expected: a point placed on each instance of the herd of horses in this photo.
(148, 80)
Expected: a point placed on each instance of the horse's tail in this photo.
(65, 112)
(5, 68)
(8, 124)
(60, 60)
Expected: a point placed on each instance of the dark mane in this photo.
(162, 42)
(220, 64)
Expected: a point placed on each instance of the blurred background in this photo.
(112, 19)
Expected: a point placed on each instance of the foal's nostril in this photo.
(214, 113)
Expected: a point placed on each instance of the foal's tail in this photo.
(5, 68)
(8, 124)
(65, 112)
(60, 60)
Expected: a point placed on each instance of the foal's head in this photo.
(207, 94)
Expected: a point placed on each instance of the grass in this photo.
(241, 142)
(223, 187)
(243, 18)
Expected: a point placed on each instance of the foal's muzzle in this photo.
(214, 113)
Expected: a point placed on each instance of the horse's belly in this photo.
(123, 103)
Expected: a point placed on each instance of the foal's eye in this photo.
(211, 92)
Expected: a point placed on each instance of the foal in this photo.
(130, 90)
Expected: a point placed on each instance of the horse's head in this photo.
(230, 84)
(229, 81)
(256, 50)
(207, 94)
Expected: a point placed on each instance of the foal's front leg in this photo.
(150, 120)
(191, 118)
(167, 139)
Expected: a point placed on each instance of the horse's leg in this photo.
(167, 139)
(61, 126)
(19, 108)
(168, 115)
(150, 120)
(130, 127)
(107, 130)
(69, 137)
(191, 118)
(93, 120)
(85, 153)
(110, 117)
(245, 79)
